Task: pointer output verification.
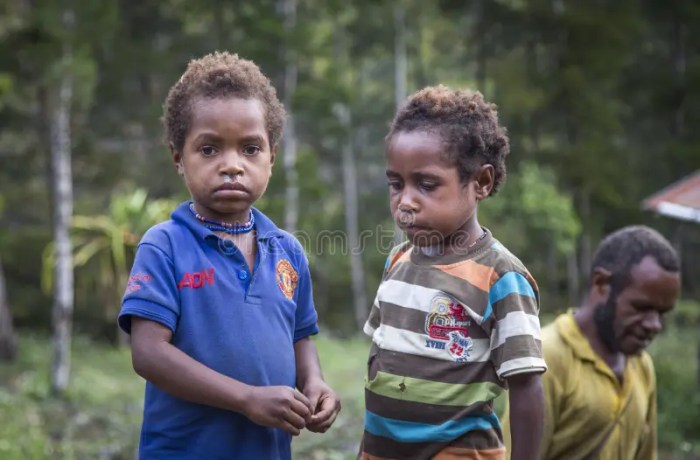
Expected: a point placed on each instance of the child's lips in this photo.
(231, 187)
(414, 227)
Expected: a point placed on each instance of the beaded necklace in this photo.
(231, 229)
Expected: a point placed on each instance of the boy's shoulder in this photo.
(292, 245)
(161, 234)
(396, 253)
(501, 259)
(289, 243)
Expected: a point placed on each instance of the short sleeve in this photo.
(151, 291)
(516, 345)
(306, 320)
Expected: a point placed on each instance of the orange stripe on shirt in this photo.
(405, 257)
(463, 453)
(481, 276)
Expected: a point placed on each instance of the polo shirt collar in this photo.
(571, 333)
(265, 228)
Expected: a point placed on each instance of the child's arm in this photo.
(158, 361)
(526, 400)
(323, 399)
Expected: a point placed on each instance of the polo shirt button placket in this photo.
(242, 275)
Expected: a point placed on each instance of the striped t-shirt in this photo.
(446, 331)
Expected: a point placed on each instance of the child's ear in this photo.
(273, 156)
(484, 181)
(177, 159)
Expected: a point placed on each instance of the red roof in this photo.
(680, 200)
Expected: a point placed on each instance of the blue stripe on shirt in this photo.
(403, 431)
(510, 283)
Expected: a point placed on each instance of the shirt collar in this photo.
(264, 227)
(571, 333)
(422, 258)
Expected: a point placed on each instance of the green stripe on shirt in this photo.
(429, 392)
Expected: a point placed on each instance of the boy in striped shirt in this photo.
(454, 323)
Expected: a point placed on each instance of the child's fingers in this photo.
(324, 418)
(289, 428)
(295, 420)
(323, 425)
(300, 408)
(299, 396)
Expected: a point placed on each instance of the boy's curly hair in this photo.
(468, 124)
(220, 75)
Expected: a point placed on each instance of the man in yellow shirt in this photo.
(600, 389)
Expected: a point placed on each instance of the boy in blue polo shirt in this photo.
(219, 302)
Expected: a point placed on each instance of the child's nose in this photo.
(408, 202)
(231, 163)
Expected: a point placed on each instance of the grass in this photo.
(675, 355)
(101, 414)
(343, 364)
(98, 418)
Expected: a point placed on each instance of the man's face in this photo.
(629, 320)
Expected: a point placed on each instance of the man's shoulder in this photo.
(557, 351)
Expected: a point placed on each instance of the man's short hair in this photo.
(626, 247)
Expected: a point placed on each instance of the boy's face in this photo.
(226, 159)
(428, 201)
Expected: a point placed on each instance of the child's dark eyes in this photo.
(428, 186)
(394, 185)
(251, 150)
(208, 150)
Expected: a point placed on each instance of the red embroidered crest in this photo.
(287, 278)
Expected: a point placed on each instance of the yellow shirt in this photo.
(583, 399)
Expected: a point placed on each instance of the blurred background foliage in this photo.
(599, 97)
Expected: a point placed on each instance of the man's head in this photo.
(634, 282)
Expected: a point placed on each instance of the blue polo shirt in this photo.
(238, 323)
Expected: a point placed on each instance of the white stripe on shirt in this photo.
(403, 341)
(416, 297)
(513, 324)
(521, 365)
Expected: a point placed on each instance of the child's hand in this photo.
(326, 405)
(278, 407)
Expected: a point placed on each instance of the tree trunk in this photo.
(481, 51)
(552, 266)
(573, 277)
(8, 339)
(351, 221)
(586, 247)
(400, 75)
(62, 198)
(680, 64)
(400, 59)
(291, 194)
